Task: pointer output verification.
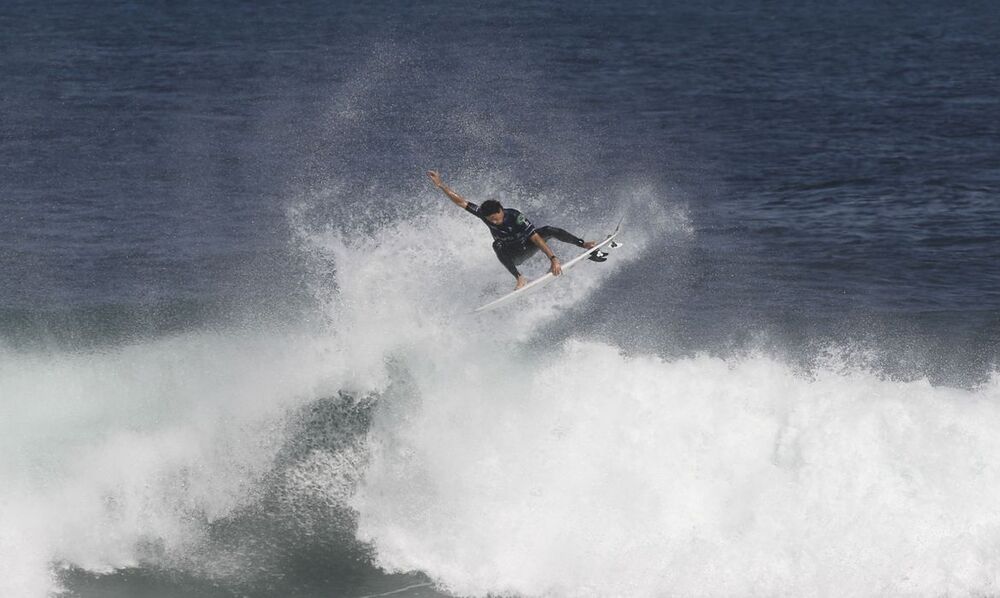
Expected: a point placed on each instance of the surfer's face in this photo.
(496, 218)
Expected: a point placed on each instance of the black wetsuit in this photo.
(512, 238)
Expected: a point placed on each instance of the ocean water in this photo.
(236, 353)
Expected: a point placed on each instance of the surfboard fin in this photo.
(598, 256)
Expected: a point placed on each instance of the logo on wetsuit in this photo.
(516, 232)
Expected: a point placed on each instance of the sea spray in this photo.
(130, 455)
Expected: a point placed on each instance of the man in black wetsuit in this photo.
(514, 238)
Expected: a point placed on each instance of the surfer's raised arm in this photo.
(455, 197)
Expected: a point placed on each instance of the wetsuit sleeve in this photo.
(472, 208)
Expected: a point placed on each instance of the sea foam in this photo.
(588, 472)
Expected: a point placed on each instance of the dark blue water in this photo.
(835, 171)
(835, 159)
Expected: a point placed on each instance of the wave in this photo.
(118, 455)
(397, 427)
(583, 471)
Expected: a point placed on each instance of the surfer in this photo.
(515, 239)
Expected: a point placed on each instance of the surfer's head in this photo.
(492, 210)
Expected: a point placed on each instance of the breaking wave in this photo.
(488, 458)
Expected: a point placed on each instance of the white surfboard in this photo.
(548, 277)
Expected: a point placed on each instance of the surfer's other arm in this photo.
(455, 197)
(539, 242)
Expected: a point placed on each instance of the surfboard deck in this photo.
(548, 277)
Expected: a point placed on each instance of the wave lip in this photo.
(128, 455)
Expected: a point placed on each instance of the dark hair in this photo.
(490, 206)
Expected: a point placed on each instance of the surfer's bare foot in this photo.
(521, 281)
(589, 245)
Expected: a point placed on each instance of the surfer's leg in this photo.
(553, 232)
(506, 258)
(548, 232)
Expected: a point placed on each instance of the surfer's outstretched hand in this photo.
(556, 268)
(435, 178)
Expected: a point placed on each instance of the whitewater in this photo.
(487, 454)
